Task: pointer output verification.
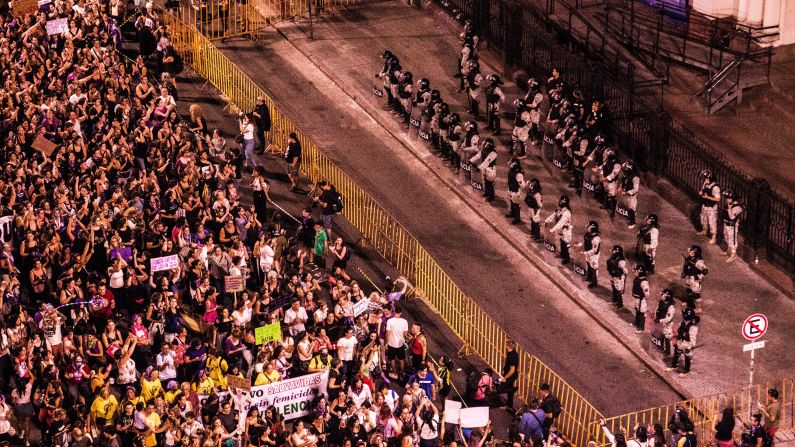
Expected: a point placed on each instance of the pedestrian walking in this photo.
(293, 157)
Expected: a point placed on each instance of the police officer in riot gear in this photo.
(486, 161)
(521, 129)
(693, 271)
(454, 133)
(648, 238)
(516, 184)
(467, 55)
(617, 268)
(533, 100)
(470, 142)
(534, 204)
(665, 316)
(592, 244)
(473, 82)
(640, 294)
(405, 90)
(731, 224)
(436, 111)
(630, 186)
(562, 220)
(494, 99)
(444, 126)
(579, 155)
(686, 336)
(385, 73)
(422, 98)
(610, 171)
(710, 198)
(395, 73)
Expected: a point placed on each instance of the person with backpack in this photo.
(331, 204)
(551, 406)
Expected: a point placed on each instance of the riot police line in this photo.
(574, 137)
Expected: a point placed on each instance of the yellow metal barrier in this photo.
(703, 411)
(278, 10)
(579, 420)
(461, 313)
(217, 19)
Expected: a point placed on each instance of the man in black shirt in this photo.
(551, 406)
(293, 157)
(510, 372)
(227, 417)
(331, 203)
(262, 119)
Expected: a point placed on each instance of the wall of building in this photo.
(757, 13)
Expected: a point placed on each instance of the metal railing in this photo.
(704, 411)
(480, 334)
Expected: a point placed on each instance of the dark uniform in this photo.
(640, 293)
(710, 197)
(592, 244)
(515, 186)
(693, 271)
(630, 186)
(731, 224)
(648, 237)
(686, 336)
(562, 220)
(534, 204)
(617, 268)
(494, 99)
(665, 316)
(486, 161)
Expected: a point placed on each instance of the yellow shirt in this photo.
(150, 389)
(265, 378)
(152, 423)
(217, 371)
(105, 408)
(206, 386)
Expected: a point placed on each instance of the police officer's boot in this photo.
(688, 359)
(489, 190)
(445, 148)
(390, 100)
(564, 252)
(516, 210)
(631, 218)
(666, 346)
(522, 153)
(535, 231)
(591, 276)
(475, 109)
(674, 359)
(618, 300)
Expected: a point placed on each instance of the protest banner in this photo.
(360, 307)
(292, 397)
(57, 26)
(164, 263)
(234, 283)
(268, 333)
(44, 145)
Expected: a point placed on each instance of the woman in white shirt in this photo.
(247, 146)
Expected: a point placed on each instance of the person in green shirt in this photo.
(772, 412)
(321, 243)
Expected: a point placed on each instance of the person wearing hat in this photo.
(693, 271)
(686, 336)
(293, 157)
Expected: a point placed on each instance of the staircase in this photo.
(733, 57)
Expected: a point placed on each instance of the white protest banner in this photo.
(360, 307)
(292, 397)
(164, 263)
(57, 26)
(474, 417)
(452, 411)
(6, 228)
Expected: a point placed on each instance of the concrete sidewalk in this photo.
(458, 238)
(346, 50)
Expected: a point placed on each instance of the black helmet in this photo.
(488, 144)
(652, 219)
(407, 75)
(454, 119)
(386, 54)
(688, 314)
(563, 201)
(628, 166)
(707, 174)
(599, 140)
(425, 84)
(494, 79)
(514, 164)
(667, 294)
(696, 250)
(532, 84)
(535, 185)
(436, 95)
(729, 194)
(618, 250)
(520, 104)
(593, 226)
(641, 270)
(444, 108)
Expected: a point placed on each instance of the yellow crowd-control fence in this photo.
(579, 420)
(705, 411)
(383, 232)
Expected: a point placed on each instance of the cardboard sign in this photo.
(360, 307)
(164, 263)
(452, 411)
(268, 333)
(234, 283)
(239, 383)
(124, 252)
(57, 26)
(44, 145)
(24, 7)
(468, 417)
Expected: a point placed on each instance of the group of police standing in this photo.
(577, 129)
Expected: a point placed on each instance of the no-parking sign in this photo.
(755, 326)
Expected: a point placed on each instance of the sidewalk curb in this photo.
(564, 284)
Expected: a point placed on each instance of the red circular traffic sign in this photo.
(755, 326)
